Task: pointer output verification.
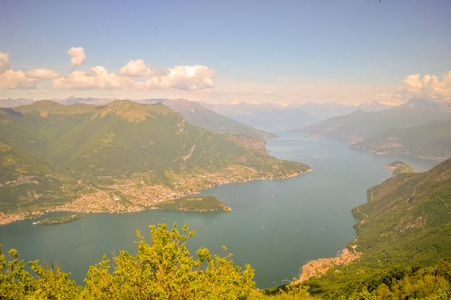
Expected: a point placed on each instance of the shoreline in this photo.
(103, 201)
(319, 267)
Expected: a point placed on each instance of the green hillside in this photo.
(123, 156)
(193, 112)
(404, 233)
(432, 140)
(407, 219)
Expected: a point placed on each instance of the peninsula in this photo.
(58, 220)
(399, 167)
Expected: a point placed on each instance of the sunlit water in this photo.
(275, 226)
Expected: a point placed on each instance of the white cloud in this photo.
(94, 78)
(182, 78)
(78, 55)
(428, 87)
(136, 68)
(42, 74)
(13, 80)
(188, 78)
(4, 62)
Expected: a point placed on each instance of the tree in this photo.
(17, 283)
(165, 270)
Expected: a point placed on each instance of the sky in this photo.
(348, 51)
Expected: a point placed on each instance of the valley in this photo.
(310, 215)
(145, 157)
(244, 150)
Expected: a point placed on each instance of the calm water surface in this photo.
(275, 226)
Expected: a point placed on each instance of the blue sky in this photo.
(348, 51)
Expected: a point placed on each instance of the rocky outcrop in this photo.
(319, 267)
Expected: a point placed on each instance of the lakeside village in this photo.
(127, 196)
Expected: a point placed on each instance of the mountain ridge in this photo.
(401, 130)
(193, 112)
(405, 226)
(122, 156)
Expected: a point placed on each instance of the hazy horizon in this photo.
(346, 52)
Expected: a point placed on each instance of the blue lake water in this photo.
(275, 226)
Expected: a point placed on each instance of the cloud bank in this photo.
(16, 80)
(42, 74)
(94, 78)
(136, 75)
(428, 87)
(187, 78)
(136, 68)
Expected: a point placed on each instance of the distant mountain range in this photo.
(122, 156)
(264, 115)
(233, 117)
(273, 116)
(418, 128)
(200, 116)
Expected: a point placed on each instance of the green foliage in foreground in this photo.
(394, 282)
(163, 269)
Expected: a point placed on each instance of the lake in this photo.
(275, 226)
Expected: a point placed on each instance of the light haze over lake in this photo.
(275, 226)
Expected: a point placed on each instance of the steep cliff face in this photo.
(407, 218)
